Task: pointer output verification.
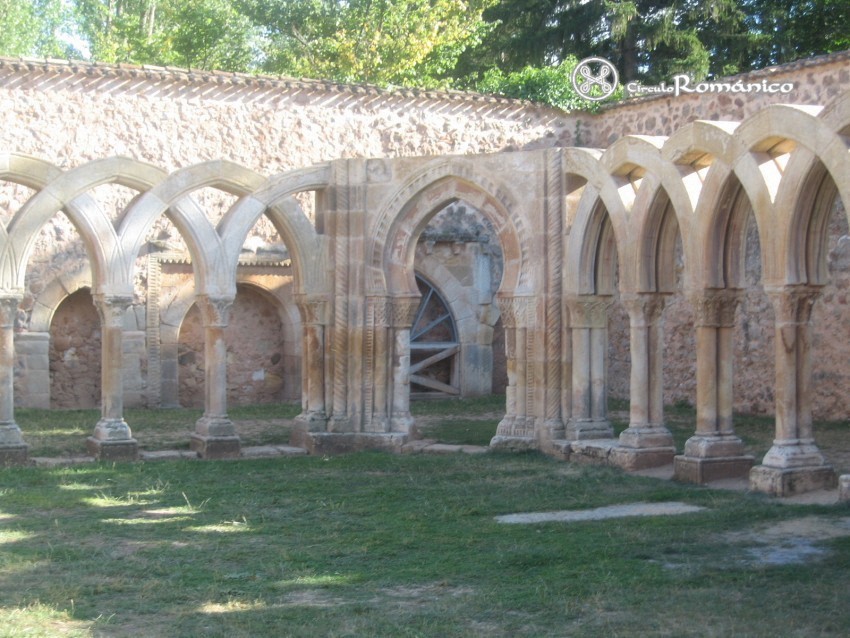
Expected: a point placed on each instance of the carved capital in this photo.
(8, 311)
(644, 308)
(403, 311)
(589, 311)
(381, 311)
(715, 308)
(215, 311)
(514, 311)
(112, 309)
(314, 310)
(793, 304)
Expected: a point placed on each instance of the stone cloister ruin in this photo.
(654, 229)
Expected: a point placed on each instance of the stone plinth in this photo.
(788, 481)
(216, 447)
(14, 454)
(115, 450)
(844, 488)
(332, 443)
(589, 430)
(512, 443)
(631, 459)
(691, 469)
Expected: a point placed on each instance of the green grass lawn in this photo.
(380, 545)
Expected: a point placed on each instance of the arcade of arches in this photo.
(331, 304)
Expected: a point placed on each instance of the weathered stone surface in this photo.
(122, 450)
(216, 447)
(787, 482)
(689, 469)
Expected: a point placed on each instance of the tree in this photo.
(401, 42)
(204, 34)
(34, 28)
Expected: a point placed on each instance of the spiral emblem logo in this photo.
(595, 79)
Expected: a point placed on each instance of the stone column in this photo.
(13, 450)
(215, 435)
(403, 310)
(794, 464)
(516, 428)
(589, 328)
(112, 439)
(314, 319)
(380, 311)
(646, 442)
(715, 451)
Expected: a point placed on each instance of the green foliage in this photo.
(548, 85)
(33, 28)
(400, 42)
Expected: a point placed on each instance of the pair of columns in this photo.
(794, 463)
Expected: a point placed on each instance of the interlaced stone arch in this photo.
(402, 219)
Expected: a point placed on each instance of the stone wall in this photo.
(69, 114)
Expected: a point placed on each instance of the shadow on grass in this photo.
(376, 544)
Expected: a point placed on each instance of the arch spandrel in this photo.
(68, 192)
(391, 251)
(215, 276)
(307, 248)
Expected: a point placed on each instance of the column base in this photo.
(787, 481)
(312, 421)
(646, 436)
(506, 426)
(632, 459)
(113, 450)
(402, 424)
(15, 454)
(216, 447)
(589, 429)
(512, 443)
(552, 430)
(844, 488)
(332, 443)
(699, 470)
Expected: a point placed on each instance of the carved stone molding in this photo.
(793, 305)
(8, 311)
(112, 309)
(381, 311)
(515, 311)
(589, 311)
(314, 310)
(644, 308)
(715, 308)
(403, 311)
(215, 310)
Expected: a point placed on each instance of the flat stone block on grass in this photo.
(790, 481)
(216, 447)
(633, 459)
(123, 450)
(331, 443)
(14, 455)
(512, 443)
(592, 451)
(690, 469)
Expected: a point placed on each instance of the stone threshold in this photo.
(430, 446)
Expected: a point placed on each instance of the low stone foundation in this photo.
(123, 450)
(786, 482)
(14, 455)
(216, 447)
(691, 469)
(333, 443)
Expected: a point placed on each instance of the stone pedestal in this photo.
(789, 481)
(216, 447)
(589, 429)
(14, 454)
(690, 469)
(844, 488)
(215, 438)
(117, 450)
(631, 459)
